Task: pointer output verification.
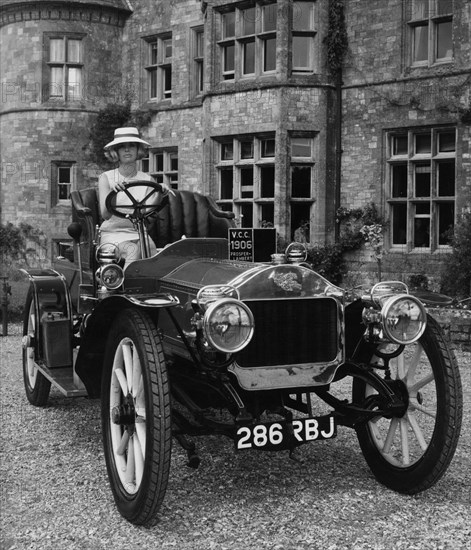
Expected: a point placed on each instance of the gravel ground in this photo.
(55, 493)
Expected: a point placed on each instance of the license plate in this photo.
(284, 434)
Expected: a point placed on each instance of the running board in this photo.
(63, 379)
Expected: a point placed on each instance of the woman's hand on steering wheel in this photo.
(138, 209)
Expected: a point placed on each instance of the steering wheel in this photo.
(138, 209)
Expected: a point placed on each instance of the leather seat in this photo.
(190, 214)
(187, 213)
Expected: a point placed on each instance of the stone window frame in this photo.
(158, 67)
(252, 25)
(162, 165)
(410, 171)
(254, 198)
(428, 15)
(66, 64)
(60, 168)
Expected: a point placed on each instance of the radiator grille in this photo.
(292, 331)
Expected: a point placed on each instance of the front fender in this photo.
(97, 325)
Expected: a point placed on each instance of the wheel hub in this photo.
(400, 389)
(124, 414)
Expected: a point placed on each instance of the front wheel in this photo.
(136, 421)
(411, 453)
(37, 386)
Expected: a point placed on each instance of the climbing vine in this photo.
(336, 39)
(358, 226)
(108, 119)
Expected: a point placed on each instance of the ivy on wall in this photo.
(108, 119)
(336, 39)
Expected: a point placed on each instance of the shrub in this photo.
(456, 278)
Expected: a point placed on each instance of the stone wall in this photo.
(456, 324)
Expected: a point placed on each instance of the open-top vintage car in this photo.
(189, 342)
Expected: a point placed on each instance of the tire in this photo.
(136, 419)
(37, 386)
(411, 453)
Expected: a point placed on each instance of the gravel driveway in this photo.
(55, 493)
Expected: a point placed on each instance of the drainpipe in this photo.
(338, 149)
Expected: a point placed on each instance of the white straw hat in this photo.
(126, 135)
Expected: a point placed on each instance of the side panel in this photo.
(53, 333)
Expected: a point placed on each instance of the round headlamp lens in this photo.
(404, 319)
(112, 276)
(228, 325)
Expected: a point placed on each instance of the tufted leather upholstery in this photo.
(190, 214)
(187, 213)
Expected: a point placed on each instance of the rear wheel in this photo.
(37, 386)
(136, 419)
(410, 453)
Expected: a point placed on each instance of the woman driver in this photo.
(126, 149)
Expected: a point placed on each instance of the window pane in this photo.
(246, 212)
(269, 54)
(159, 178)
(227, 151)
(246, 149)
(153, 83)
(228, 24)
(159, 162)
(421, 232)
(173, 157)
(399, 181)
(267, 181)
(268, 148)
(63, 191)
(63, 174)
(229, 58)
(302, 47)
(422, 180)
(249, 57)
(167, 48)
(399, 145)
(73, 51)
(56, 50)
(446, 142)
(267, 214)
(167, 81)
(303, 16)
(423, 144)
(301, 147)
(301, 181)
(153, 53)
(446, 222)
(420, 43)
(226, 184)
(444, 44)
(300, 216)
(56, 83)
(420, 9)
(269, 17)
(399, 224)
(174, 181)
(248, 21)
(199, 44)
(75, 83)
(446, 179)
(246, 182)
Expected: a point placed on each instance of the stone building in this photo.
(242, 102)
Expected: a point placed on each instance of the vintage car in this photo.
(191, 342)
